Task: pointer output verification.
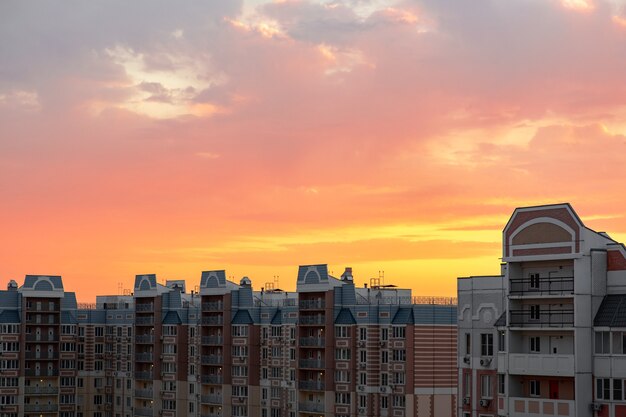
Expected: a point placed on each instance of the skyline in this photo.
(256, 136)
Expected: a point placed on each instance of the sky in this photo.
(255, 136)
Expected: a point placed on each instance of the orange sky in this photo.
(255, 136)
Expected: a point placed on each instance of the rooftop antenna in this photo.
(381, 277)
(120, 288)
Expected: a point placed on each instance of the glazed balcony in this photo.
(313, 320)
(213, 320)
(311, 385)
(523, 407)
(145, 339)
(212, 359)
(544, 365)
(212, 379)
(144, 321)
(312, 305)
(212, 340)
(143, 393)
(211, 399)
(144, 308)
(213, 306)
(312, 364)
(41, 390)
(312, 342)
(311, 406)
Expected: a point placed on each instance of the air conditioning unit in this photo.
(596, 407)
(485, 361)
(383, 389)
(382, 343)
(484, 402)
(289, 405)
(466, 359)
(362, 365)
(466, 400)
(361, 410)
(361, 388)
(263, 402)
(362, 343)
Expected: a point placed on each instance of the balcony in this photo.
(147, 412)
(41, 355)
(213, 320)
(524, 407)
(144, 357)
(212, 379)
(42, 337)
(311, 407)
(313, 320)
(41, 390)
(43, 307)
(143, 393)
(213, 306)
(211, 399)
(144, 321)
(144, 308)
(145, 339)
(547, 365)
(211, 415)
(547, 317)
(312, 364)
(212, 359)
(312, 342)
(212, 340)
(545, 286)
(312, 305)
(41, 408)
(144, 375)
(311, 385)
(51, 321)
(41, 372)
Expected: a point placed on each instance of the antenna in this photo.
(120, 288)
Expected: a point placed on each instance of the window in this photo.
(342, 331)
(534, 280)
(535, 344)
(384, 356)
(240, 331)
(603, 388)
(399, 355)
(342, 398)
(240, 390)
(468, 344)
(534, 312)
(363, 333)
(399, 378)
(619, 343)
(535, 388)
(342, 376)
(485, 386)
(617, 390)
(486, 344)
(399, 401)
(467, 384)
(602, 345)
(399, 332)
(501, 341)
(384, 334)
(501, 390)
(342, 354)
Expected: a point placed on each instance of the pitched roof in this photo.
(345, 317)
(404, 315)
(501, 322)
(612, 311)
(278, 318)
(172, 317)
(9, 316)
(242, 317)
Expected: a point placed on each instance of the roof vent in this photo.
(12, 285)
(347, 274)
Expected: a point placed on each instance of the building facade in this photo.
(327, 349)
(547, 336)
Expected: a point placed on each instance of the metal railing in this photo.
(542, 286)
(146, 339)
(313, 320)
(213, 320)
(41, 408)
(144, 321)
(312, 363)
(212, 359)
(41, 390)
(213, 306)
(312, 304)
(144, 308)
(212, 379)
(146, 412)
(544, 317)
(144, 375)
(312, 342)
(144, 357)
(212, 340)
(143, 393)
(311, 406)
(211, 399)
(311, 385)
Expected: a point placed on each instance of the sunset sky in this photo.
(253, 136)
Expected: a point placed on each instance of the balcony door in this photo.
(554, 390)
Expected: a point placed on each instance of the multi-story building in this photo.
(547, 336)
(327, 349)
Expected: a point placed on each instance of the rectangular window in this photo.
(501, 384)
(467, 384)
(468, 344)
(486, 344)
(617, 390)
(342, 331)
(535, 312)
(485, 386)
(535, 388)
(534, 281)
(535, 344)
(399, 332)
(602, 345)
(501, 341)
(603, 388)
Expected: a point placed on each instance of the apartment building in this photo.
(547, 336)
(327, 349)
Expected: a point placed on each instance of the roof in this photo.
(9, 316)
(612, 311)
(43, 282)
(172, 317)
(278, 318)
(345, 317)
(68, 318)
(501, 322)
(242, 317)
(404, 315)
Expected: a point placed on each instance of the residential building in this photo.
(545, 337)
(327, 349)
